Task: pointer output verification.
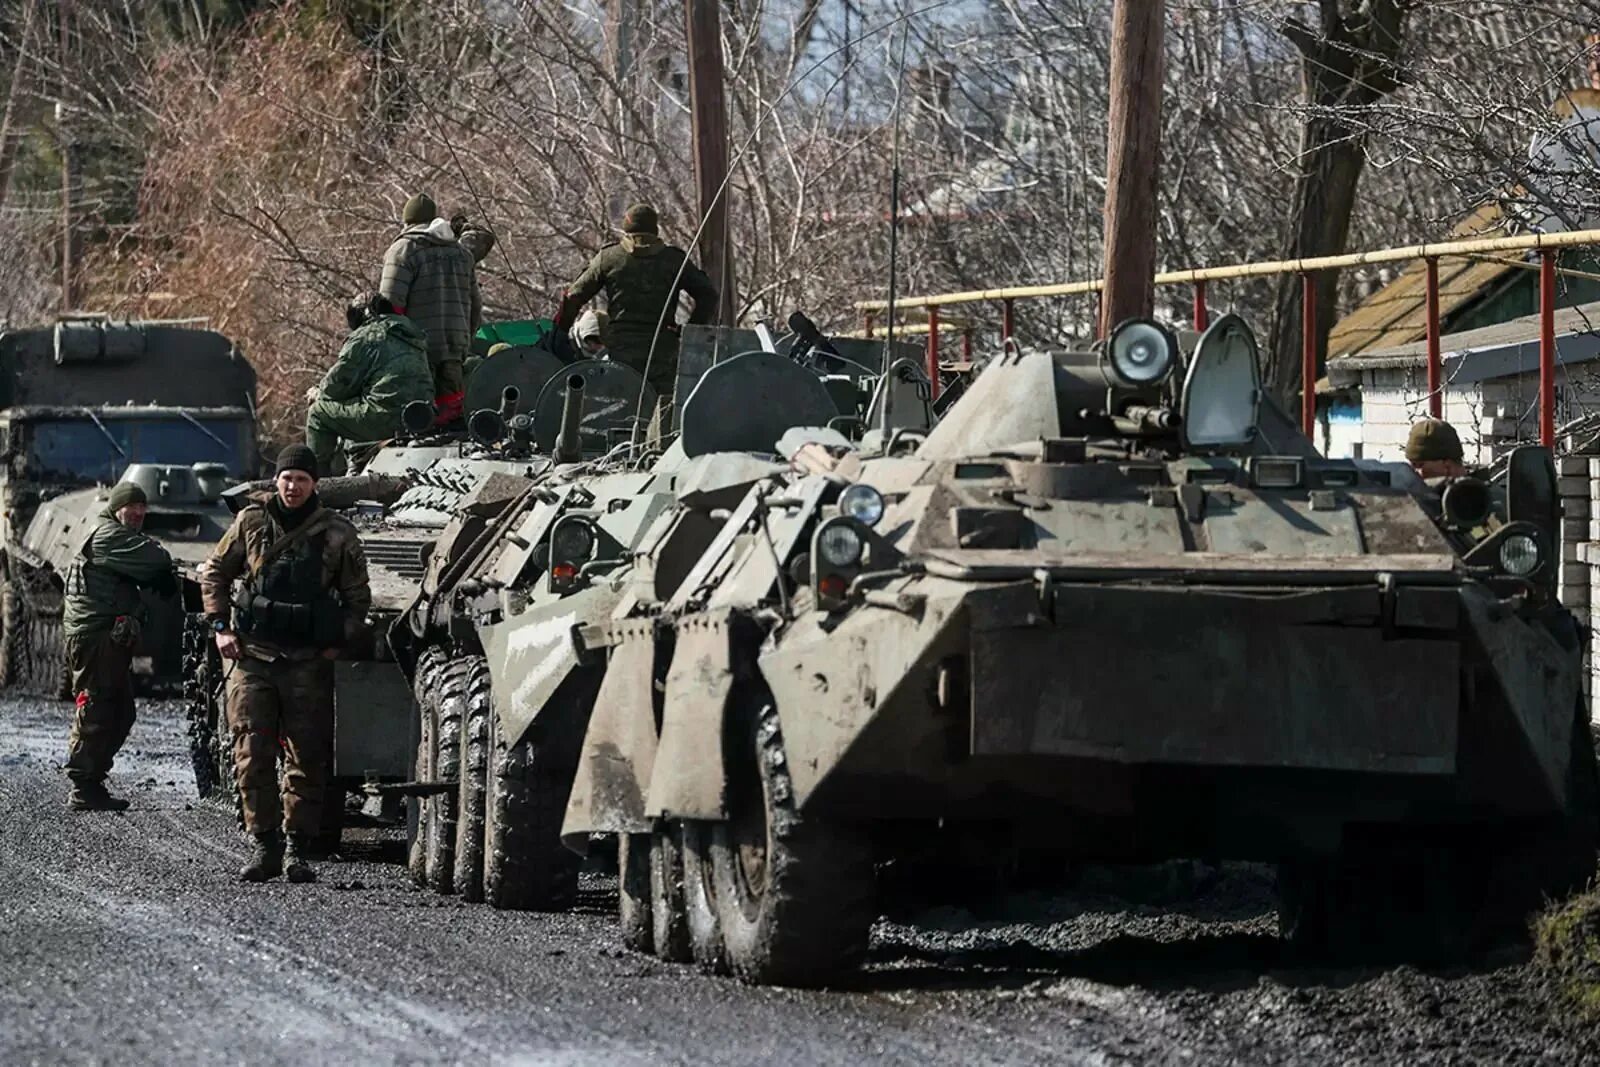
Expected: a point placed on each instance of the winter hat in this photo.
(1432, 439)
(298, 458)
(497, 348)
(123, 494)
(419, 210)
(641, 218)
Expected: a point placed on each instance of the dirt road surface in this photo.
(124, 939)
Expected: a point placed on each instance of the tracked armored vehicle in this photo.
(504, 679)
(1114, 607)
(84, 403)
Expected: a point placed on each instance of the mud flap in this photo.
(689, 778)
(619, 749)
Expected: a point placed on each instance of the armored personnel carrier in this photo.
(85, 402)
(504, 680)
(1113, 607)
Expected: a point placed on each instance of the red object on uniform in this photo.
(82, 698)
(398, 310)
(448, 407)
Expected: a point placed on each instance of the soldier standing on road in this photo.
(429, 278)
(1433, 449)
(382, 367)
(303, 595)
(101, 613)
(642, 277)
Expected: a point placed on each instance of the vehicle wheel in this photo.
(669, 917)
(201, 707)
(441, 828)
(633, 892)
(526, 867)
(700, 900)
(474, 768)
(10, 632)
(56, 677)
(417, 807)
(795, 894)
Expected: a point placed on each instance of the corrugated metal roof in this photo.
(1569, 321)
(1397, 314)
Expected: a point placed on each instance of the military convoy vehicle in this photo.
(504, 681)
(1113, 607)
(83, 403)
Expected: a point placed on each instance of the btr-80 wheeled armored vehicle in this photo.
(1113, 607)
(504, 681)
(81, 403)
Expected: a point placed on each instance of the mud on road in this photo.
(125, 939)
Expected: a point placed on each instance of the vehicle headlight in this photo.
(840, 545)
(1141, 353)
(572, 541)
(1519, 555)
(862, 503)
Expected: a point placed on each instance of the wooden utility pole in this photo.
(1133, 158)
(69, 163)
(709, 111)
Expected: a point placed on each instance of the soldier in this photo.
(382, 367)
(101, 614)
(1434, 450)
(303, 595)
(642, 277)
(429, 277)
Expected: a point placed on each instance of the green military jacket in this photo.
(104, 578)
(638, 278)
(383, 365)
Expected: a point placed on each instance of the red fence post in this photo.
(1435, 361)
(1202, 316)
(1008, 322)
(966, 344)
(933, 351)
(1308, 353)
(1547, 349)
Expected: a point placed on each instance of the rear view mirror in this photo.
(1532, 492)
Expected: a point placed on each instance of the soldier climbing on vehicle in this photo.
(302, 596)
(429, 277)
(642, 276)
(1433, 448)
(382, 367)
(101, 616)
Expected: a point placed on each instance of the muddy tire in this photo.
(526, 867)
(450, 705)
(421, 771)
(669, 917)
(55, 674)
(10, 631)
(633, 892)
(796, 895)
(700, 900)
(473, 785)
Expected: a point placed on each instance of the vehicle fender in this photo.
(689, 778)
(531, 654)
(619, 747)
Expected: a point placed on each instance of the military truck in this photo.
(1113, 607)
(81, 403)
(503, 679)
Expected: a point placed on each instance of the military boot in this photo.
(92, 796)
(296, 863)
(267, 860)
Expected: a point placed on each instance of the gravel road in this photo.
(125, 939)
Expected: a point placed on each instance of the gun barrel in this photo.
(508, 402)
(568, 446)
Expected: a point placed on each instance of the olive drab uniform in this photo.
(101, 615)
(641, 278)
(294, 585)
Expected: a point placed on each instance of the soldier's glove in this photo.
(165, 584)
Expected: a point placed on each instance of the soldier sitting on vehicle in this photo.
(303, 596)
(101, 616)
(1434, 450)
(382, 367)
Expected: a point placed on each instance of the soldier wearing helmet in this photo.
(1433, 449)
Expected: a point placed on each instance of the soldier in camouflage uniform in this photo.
(302, 596)
(100, 618)
(642, 276)
(382, 367)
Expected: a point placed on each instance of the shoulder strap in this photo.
(313, 525)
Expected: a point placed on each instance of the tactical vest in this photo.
(285, 602)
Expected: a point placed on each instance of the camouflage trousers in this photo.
(356, 422)
(102, 685)
(285, 706)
